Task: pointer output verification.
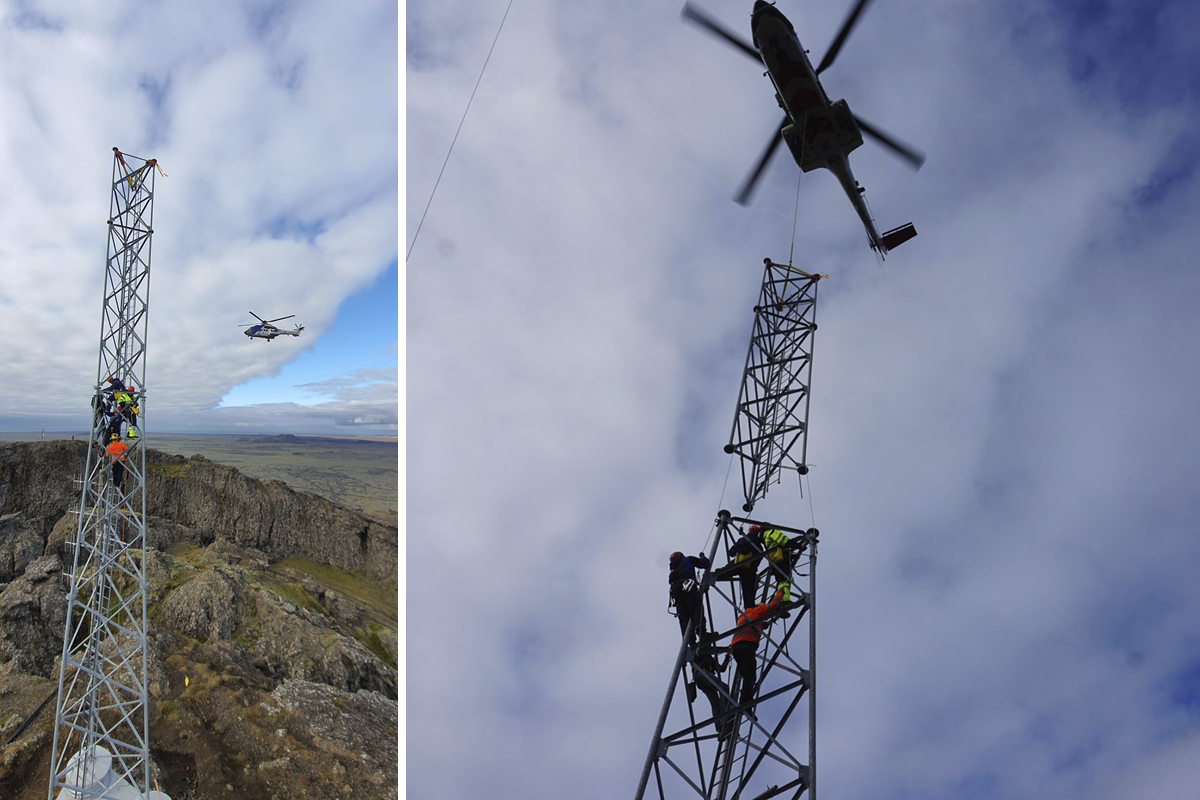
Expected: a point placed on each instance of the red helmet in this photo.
(675, 557)
(755, 529)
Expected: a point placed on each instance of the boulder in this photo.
(20, 545)
(205, 607)
(299, 645)
(359, 725)
(33, 615)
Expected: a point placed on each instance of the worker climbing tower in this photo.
(101, 747)
(736, 726)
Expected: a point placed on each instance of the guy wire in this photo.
(460, 124)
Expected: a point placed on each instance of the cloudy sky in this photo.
(277, 126)
(1003, 421)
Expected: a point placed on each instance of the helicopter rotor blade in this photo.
(257, 317)
(915, 158)
(743, 196)
(289, 316)
(842, 34)
(702, 19)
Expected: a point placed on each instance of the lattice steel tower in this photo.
(101, 745)
(742, 740)
(770, 427)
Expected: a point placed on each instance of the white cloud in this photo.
(276, 126)
(1001, 420)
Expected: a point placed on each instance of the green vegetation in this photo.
(189, 553)
(378, 596)
(169, 470)
(369, 636)
(249, 632)
(188, 561)
(295, 593)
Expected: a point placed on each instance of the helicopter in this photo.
(263, 329)
(819, 133)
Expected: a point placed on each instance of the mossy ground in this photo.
(369, 636)
(377, 597)
(292, 591)
(169, 470)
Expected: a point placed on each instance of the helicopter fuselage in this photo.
(269, 332)
(820, 134)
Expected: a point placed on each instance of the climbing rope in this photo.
(460, 124)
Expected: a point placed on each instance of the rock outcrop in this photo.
(206, 607)
(33, 614)
(37, 479)
(272, 630)
(269, 516)
(199, 501)
(20, 545)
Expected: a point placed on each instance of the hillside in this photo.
(273, 630)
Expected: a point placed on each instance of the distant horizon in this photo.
(152, 434)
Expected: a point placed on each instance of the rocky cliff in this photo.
(199, 501)
(272, 630)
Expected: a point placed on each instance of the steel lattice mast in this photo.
(770, 426)
(714, 747)
(102, 718)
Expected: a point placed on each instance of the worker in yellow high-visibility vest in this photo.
(782, 556)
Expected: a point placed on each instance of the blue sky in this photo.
(1002, 425)
(363, 335)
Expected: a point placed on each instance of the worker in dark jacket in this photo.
(745, 643)
(746, 553)
(685, 592)
(115, 410)
(689, 606)
(706, 675)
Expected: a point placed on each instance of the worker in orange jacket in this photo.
(745, 643)
(116, 451)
